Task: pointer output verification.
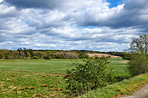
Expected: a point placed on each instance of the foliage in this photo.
(124, 55)
(125, 87)
(83, 55)
(28, 55)
(35, 57)
(127, 56)
(139, 59)
(48, 57)
(88, 75)
(138, 65)
(1, 55)
(41, 54)
(8, 55)
(66, 55)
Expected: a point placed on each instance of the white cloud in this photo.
(68, 24)
(1, 1)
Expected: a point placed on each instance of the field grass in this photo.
(119, 68)
(41, 65)
(41, 78)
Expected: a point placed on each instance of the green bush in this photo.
(138, 65)
(87, 75)
(35, 57)
(49, 56)
(83, 55)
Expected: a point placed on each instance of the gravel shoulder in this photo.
(141, 93)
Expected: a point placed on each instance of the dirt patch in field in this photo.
(100, 55)
(123, 61)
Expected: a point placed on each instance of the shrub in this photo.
(48, 57)
(87, 75)
(35, 57)
(138, 65)
(83, 55)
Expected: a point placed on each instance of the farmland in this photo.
(42, 78)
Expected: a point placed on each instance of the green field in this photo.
(41, 78)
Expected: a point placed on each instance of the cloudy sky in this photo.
(103, 25)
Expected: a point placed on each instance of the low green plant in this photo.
(87, 75)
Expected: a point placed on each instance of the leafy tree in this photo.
(1, 55)
(28, 55)
(88, 75)
(21, 55)
(31, 52)
(15, 54)
(8, 55)
(139, 59)
(19, 49)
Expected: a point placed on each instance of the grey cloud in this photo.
(7, 11)
(51, 4)
(133, 14)
(136, 5)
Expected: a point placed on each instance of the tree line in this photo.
(24, 53)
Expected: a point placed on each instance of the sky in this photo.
(100, 25)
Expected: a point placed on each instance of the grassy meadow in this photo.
(42, 78)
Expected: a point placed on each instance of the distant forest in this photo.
(23, 53)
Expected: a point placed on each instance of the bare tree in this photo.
(140, 44)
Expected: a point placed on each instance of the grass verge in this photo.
(126, 87)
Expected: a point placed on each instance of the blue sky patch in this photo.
(114, 3)
(27, 22)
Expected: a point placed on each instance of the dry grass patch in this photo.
(123, 61)
(100, 55)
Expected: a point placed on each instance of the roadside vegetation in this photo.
(125, 87)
